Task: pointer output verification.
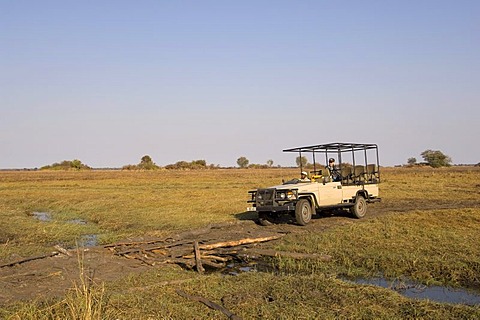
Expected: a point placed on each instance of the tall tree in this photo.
(301, 161)
(436, 158)
(242, 162)
(411, 161)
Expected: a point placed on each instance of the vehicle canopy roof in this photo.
(357, 153)
(334, 147)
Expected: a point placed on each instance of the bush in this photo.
(67, 165)
(195, 164)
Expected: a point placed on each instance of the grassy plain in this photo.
(425, 229)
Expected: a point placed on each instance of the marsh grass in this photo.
(86, 300)
(118, 205)
(434, 246)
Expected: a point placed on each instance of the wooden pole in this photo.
(198, 260)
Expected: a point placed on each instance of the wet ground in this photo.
(48, 277)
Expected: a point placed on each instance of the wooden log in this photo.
(133, 243)
(62, 250)
(162, 247)
(208, 257)
(198, 260)
(209, 304)
(238, 242)
(186, 262)
(214, 264)
(286, 254)
(43, 256)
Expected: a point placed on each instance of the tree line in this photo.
(432, 158)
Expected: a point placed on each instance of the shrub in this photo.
(67, 165)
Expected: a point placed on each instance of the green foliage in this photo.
(184, 165)
(301, 161)
(436, 159)
(258, 166)
(411, 161)
(242, 162)
(146, 163)
(67, 165)
(270, 162)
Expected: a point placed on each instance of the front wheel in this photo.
(265, 218)
(303, 212)
(359, 209)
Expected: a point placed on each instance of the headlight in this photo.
(290, 195)
(282, 196)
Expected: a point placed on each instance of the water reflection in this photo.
(77, 221)
(88, 240)
(42, 216)
(434, 293)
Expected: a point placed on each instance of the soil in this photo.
(52, 276)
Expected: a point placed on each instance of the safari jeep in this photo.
(352, 185)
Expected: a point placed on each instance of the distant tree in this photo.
(411, 161)
(242, 162)
(146, 163)
(301, 161)
(270, 162)
(146, 159)
(199, 163)
(436, 158)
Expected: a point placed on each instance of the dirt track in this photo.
(49, 277)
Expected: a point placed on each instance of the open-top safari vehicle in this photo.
(350, 185)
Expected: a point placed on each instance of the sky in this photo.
(107, 82)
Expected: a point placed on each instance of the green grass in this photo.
(118, 204)
(436, 245)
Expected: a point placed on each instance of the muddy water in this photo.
(42, 216)
(88, 240)
(408, 289)
(433, 293)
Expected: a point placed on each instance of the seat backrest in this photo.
(359, 173)
(372, 172)
(346, 173)
(325, 172)
(326, 175)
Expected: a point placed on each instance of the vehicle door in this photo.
(330, 193)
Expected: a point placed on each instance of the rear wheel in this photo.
(303, 212)
(359, 209)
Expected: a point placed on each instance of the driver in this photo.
(304, 177)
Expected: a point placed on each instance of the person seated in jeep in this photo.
(304, 177)
(333, 170)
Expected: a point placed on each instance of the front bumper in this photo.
(284, 208)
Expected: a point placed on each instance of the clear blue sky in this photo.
(107, 82)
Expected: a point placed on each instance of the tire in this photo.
(303, 212)
(359, 209)
(265, 219)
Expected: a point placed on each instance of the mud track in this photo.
(52, 276)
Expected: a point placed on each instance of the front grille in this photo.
(265, 197)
